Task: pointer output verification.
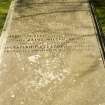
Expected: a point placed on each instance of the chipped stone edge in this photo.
(97, 37)
(6, 28)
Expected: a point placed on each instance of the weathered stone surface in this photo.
(51, 56)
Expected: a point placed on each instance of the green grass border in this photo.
(100, 12)
(4, 6)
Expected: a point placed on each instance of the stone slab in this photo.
(52, 56)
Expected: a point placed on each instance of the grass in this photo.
(100, 12)
(4, 5)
